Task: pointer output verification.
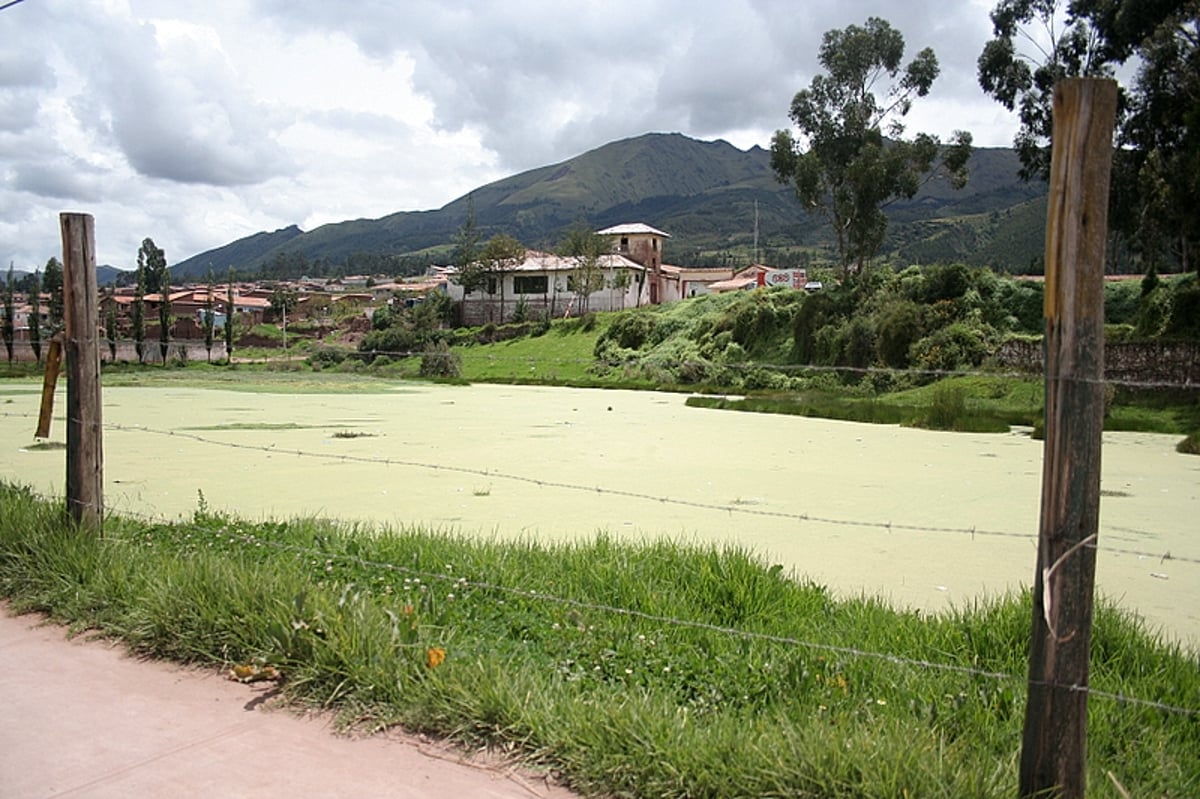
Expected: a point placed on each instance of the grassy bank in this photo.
(644, 671)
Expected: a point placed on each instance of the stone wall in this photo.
(1172, 363)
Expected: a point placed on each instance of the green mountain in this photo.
(708, 195)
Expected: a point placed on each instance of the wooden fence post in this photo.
(1053, 752)
(85, 450)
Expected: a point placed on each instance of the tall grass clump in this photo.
(657, 669)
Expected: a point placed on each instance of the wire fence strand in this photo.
(749, 635)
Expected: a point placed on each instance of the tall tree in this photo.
(586, 248)
(164, 312)
(469, 272)
(1036, 44)
(10, 313)
(139, 311)
(210, 316)
(283, 301)
(1161, 135)
(1155, 187)
(52, 284)
(501, 255)
(35, 317)
(110, 323)
(850, 159)
(230, 316)
(152, 279)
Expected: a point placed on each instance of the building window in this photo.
(530, 284)
(624, 244)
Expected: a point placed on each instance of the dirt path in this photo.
(83, 719)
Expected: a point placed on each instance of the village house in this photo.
(545, 285)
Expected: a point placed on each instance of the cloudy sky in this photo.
(197, 122)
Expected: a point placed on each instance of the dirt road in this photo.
(84, 719)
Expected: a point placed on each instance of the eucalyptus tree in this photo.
(35, 317)
(110, 323)
(850, 158)
(139, 312)
(10, 314)
(164, 312)
(52, 284)
(230, 315)
(210, 315)
(1156, 167)
(468, 269)
(500, 255)
(586, 248)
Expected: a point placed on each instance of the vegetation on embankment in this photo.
(653, 670)
(916, 347)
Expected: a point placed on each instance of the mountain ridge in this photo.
(709, 195)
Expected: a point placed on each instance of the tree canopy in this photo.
(585, 247)
(1156, 166)
(850, 158)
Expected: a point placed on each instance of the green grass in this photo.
(560, 356)
(652, 670)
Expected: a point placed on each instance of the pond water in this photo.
(873, 509)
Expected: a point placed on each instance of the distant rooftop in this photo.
(633, 228)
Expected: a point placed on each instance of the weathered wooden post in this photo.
(85, 451)
(1053, 752)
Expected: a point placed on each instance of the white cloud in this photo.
(196, 123)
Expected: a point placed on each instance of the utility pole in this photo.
(1054, 747)
(85, 450)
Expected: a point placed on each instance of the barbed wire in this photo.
(462, 583)
(729, 508)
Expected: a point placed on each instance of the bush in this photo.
(946, 282)
(947, 407)
(1190, 445)
(1154, 312)
(1185, 312)
(628, 331)
(954, 347)
(440, 361)
(901, 325)
(326, 356)
(815, 313)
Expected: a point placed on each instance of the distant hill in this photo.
(707, 195)
(105, 275)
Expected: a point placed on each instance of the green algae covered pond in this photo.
(923, 519)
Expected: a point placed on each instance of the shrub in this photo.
(326, 356)
(1184, 321)
(946, 282)
(1190, 445)
(440, 361)
(521, 311)
(947, 407)
(1154, 312)
(628, 331)
(953, 347)
(815, 313)
(901, 325)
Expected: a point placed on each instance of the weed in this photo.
(718, 676)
